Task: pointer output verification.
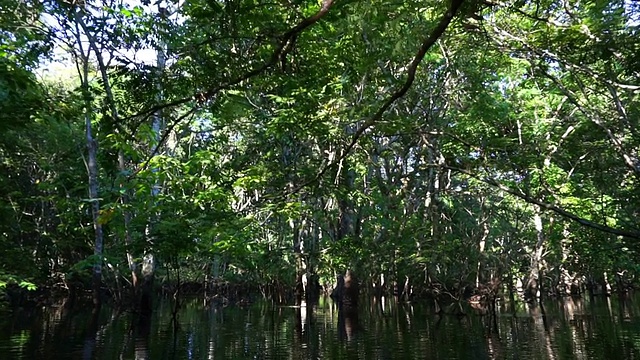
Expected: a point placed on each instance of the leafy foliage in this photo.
(274, 139)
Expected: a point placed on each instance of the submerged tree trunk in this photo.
(146, 286)
(347, 291)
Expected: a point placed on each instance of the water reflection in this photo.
(597, 328)
(347, 323)
(141, 342)
(91, 336)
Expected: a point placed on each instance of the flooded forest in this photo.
(449, 166)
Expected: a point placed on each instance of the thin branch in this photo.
(102, 68)
(162, 140)
(555, 57)
(538, 18)
(629, 159)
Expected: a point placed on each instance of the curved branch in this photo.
(399, 93)
(558, 210)
(411, 73)
(629, 159)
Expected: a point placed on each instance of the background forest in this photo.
(435, 148)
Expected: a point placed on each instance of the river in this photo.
(599, 328)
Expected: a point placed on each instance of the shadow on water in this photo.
(590, 328)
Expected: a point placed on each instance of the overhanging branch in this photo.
(411, 74)
(427, 43)
(284, 41)
(558, 210)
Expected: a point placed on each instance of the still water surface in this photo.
(600, 328)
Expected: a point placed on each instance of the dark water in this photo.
(601, 328)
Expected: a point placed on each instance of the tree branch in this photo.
(162, 140)
(629, 159)
(284, 40)
(399, 93)
(558, 210)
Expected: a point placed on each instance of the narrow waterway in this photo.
(599, 328)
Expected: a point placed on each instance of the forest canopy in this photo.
(430, 146)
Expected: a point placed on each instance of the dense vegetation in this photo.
(436, 147)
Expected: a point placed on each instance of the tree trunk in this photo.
(127, 223)
(92, 167)
(298, 249)
(345, 205)
(149, 260)
(534, 283)
(484, 223)
(102, 68)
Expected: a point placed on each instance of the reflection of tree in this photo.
(92, 334)
(96, 332)
(306, 338)
(624, 306)
(492, 336)
(347, 323)
(303, 317)
(142, 338)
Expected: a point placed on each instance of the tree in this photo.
(460, 144)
